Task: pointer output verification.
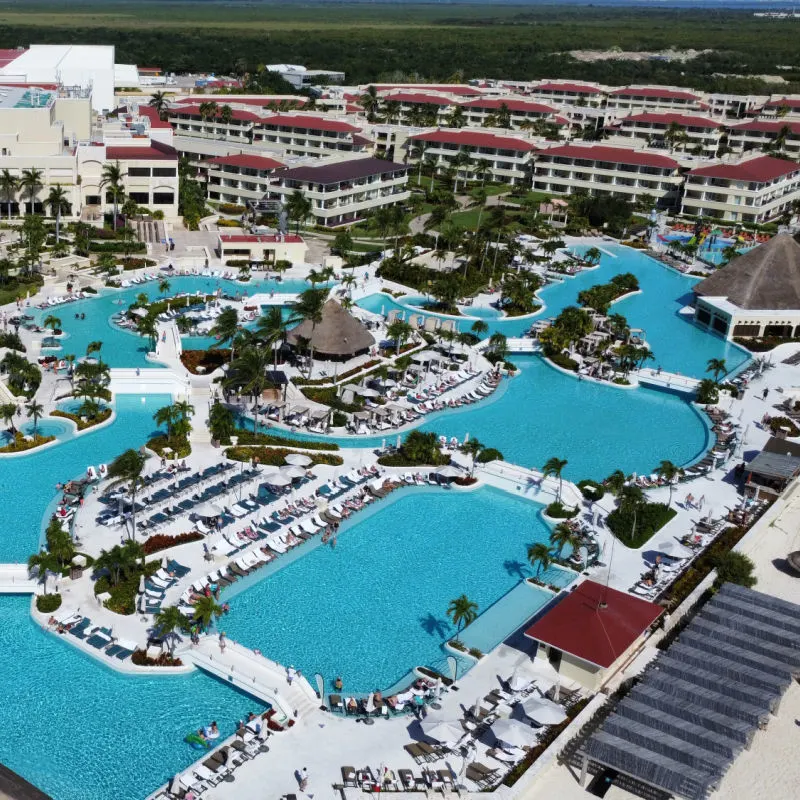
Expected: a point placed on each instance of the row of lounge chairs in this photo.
(60, 300)
(155, 587)
(101, 639)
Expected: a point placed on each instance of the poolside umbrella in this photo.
(276, 479)
(438, 689)
(298, 459)
(369, 706)
(520, 679)
(208, 509)
(544, 711)
(448, 471)
(443, 730)
(164, 562)
(673, 548)
(365, 392)
(512, 732)
(292, 471)
(141, 584)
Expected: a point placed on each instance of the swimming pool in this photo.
(710, 249)
(677, 343)
(81, 731)
(375, 606)
(27, 481)
(123, 348)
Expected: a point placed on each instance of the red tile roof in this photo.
(616, 155)
(790, 102)
(247, 161)
(579, 88)
(654, 91)
(494, 103)
(238, 238)
(419, 97)
(28, 84)
(309, 123)
(766, 126)
(665, 119)
(152, 116)
(462, 91)
(578, 625)
(154, 152)
(242, 116)
(474, 139)
(8, 55)
(759, 170)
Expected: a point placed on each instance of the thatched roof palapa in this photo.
(339, 334)
(765, 278)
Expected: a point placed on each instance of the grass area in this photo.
(532, 197)
(82, 422)
(468, 218)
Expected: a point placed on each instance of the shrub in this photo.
(20, 444)
(733, 567)
(327, 396)
(47, 603)
(237, 262)
(650, 517)
(248, 437)
(130, 262)
(564, 361)
(11, 341)
(475, 653)
(591, 490)
(228, 223)
(558, 510)
(209, 360)
(783, 423)
(621, 381)
(162, 541)
(339, 420)
(276, 456)
(458, 645)
(489, 454)
(117, 247)
(83, 423)
(141, 659)
(282, 264)
(180, 446)
(231, 208)
(707, 392)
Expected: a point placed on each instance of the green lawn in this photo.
(534, 197)
(468, 218)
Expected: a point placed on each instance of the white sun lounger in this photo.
(308, 526)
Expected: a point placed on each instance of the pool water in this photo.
(81, 731)
(124, 348)
(27, 481)
(709, 250)
(45, 427)
(375, 606)
(677, 343)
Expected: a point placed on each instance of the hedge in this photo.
(162, 541)
(47, 603)
(650, 517)
(248, 437)
(180, 447)
(276, 456)
(558, 510)
(564, 361)
(117, 247)
(591, 490)
(327, 396)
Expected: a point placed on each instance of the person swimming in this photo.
(338, 684)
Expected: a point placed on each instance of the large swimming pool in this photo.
(678, 344)
(375, 606)
(122, 348)
(27, 482)
(81, 731)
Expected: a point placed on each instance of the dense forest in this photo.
(425, 42)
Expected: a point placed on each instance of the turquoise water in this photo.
(598, 428)
(708, 251)
(123, 348)
(45, 427)
(375, 606)
(678, 344)
(80, 731)
(27, 482)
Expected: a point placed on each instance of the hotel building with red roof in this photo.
(239, 179)
(695, 133)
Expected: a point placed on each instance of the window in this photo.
(93, 200)
(163, 198)
(139, 172)
(143, 198)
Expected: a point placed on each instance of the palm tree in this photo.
(148, 326)
(562, 536)
(479, 327)
(166, 415)
(457, 118)
(31, 182)
(45, 562)
(370, 103)
(225, 328)
(718, 367)
(399, 332)
(111, 179)
(248, 373)
(539, 556)
(9, 185)
(7, 411)
(472, 448)
(57, 201)
(226, 114)
(94, 347)
(669, 472)
(167, 622)
(729, 253)
(160, 103)
(128, 468)
(206, 609)
(298, 207)
(164, 286)
(554, 466)
(615, 481)
(593, 255)
(271, 330)
(308, 306)
(52, 322)
(35, 411)
(462, 159)
(463, 612)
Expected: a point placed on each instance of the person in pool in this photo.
(338, 684)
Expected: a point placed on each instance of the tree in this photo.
(31, 182)
(59, 542)
(35, 411)
(370, 103)
(463, 612)
(120, 561)
(563, 536)
(53, 322)
(44, 562)
(734, 567)
(729, 253)
(7, 411)
(226, 114)
(593, 255)
(498, 345)
(669, 472)
(479, 327)
(472, 448)
(717, 367)
(166, 415)
(399, 332)
(457, 118)
(503, 116)
(9, 186)
(298, 208)
(675, 135)
(248, 373)
(555, 466)
(160, 103)
(111, 179)
(225, 328)
(221, 422)
(164, 286)
(308, 307)
(58, 204)
(33, 235)
(147, 326)
(271, 331)
(539, 557)
(206, 609)
(615, 481)
(127, 468)
(167, 622)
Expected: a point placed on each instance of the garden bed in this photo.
(83, 423)
(276, 456)
(206, 360)
(21, 444)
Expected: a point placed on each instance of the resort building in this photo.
(476, 154)
(599, 169)
(307, 135)
(343, 192)
(782, 107)
(302, 78)
(734, 106)
(757, 294)
(653, 98)
(261, 250)
(758, 134)
(754, 190)
(521, 113)
(592, 632)
(559, 93)
(240, 179)
(232, 125)
(682, 132)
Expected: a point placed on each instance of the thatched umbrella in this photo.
(339, 335)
